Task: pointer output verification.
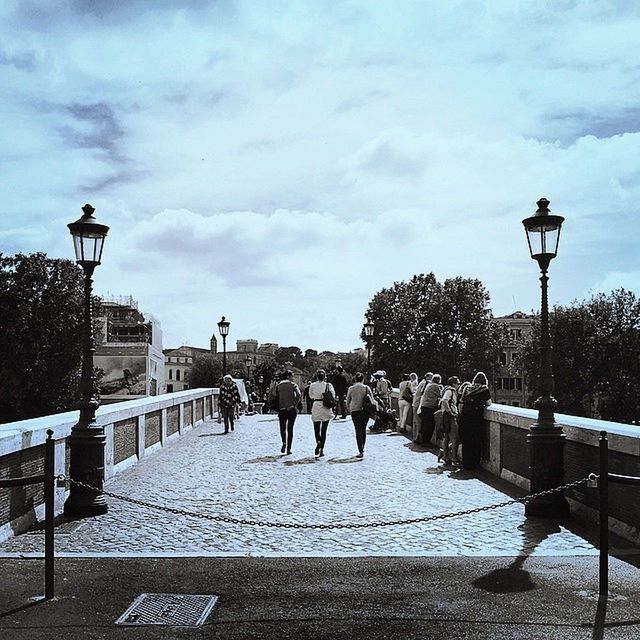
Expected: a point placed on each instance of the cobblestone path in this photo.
(243, 474)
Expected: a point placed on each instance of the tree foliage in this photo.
(596, 351)
(206, 371)
(424, 325)
(40, 335)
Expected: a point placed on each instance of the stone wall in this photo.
(133, 429)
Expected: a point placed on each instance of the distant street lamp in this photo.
(223, 327)
(87, 439)
(369, 329)
(545, 438)
(248, 361)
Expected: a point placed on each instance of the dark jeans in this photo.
(228, 414)
(360, 419)
(287, 418)
(320, 429)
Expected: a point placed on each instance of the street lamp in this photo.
(248, 361)
(369, 329)
(87, 439)
(223, 327)
(545, 438)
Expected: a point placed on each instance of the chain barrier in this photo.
(339, 525)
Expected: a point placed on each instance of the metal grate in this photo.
(168, 608)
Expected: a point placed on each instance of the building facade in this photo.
(178, 362)
(128, 352)
(510, 387)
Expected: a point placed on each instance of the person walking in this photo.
(417, 400)
(405, 398)
(320, 414)
(355, 397)
(227, 401)
(476, 397)
(289, 396)
(340, 384)
(428, 405)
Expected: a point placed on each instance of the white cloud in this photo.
(281, 162)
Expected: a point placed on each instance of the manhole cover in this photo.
(168, 608)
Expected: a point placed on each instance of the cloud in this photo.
(284, 160)
(612, 280)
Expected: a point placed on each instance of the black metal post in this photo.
(224, 355)
(603, 485)
(49, 508)
(545, 438)
(87, 439)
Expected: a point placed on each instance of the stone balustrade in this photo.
(134, 428)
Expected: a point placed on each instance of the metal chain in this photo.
(338, 525)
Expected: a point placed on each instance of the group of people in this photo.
(445, 416)
(323, 398)
(452, 413)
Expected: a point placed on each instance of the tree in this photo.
(596, 350)
(423, 325)
(40, 335)
(206, 371)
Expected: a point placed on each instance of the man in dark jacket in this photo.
(340, 384)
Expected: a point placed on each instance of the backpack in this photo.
(407, 396)
(369, 406)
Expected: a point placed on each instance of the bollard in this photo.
(603, 484)
(49, 507)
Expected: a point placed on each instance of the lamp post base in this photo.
(546, 451)
(86, 449)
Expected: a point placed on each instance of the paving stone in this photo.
(243, 475)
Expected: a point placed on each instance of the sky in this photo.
(280, 162)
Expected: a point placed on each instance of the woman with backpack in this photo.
(472, 424)
(355, 403)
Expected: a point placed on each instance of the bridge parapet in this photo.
(133, 429)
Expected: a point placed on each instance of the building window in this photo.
(170, 374)
(503, 358)
(186, 386)
(515, 404)
(177, 374)
(169, 388)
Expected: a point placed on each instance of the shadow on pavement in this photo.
(24, 607)
(345, 460)
(264, 459)
(514, 578)
(308, 460)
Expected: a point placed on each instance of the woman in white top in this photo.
(319, 413)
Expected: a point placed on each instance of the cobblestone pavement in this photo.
(242, 474)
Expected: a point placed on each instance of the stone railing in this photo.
(505, 454)
(133, 429)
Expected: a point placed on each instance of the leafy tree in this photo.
(424, 325)
(40, 335)
(596, 350)
(206, 371)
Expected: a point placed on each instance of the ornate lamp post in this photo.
(261, 385)
(545, 438)
(369, 329)
(248, 361)
(223, 328)
(87, 439)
